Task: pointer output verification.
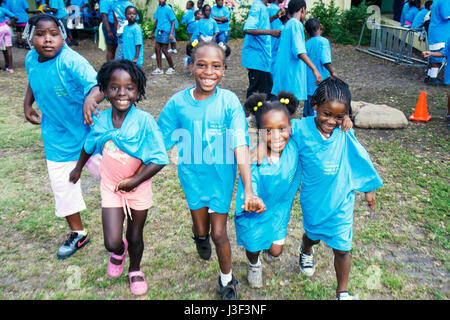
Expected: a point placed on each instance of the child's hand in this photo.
(90, 106)
(31, 115)
(275, 33)
(171, 37)
(318, 77)
(253, 203)
(334, 75)
(347, 124)
(426, 54)
(371, 200)
(135, 60)
(281, 12)
(74, 175)
(126, 185)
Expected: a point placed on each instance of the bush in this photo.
(341, 26)
(237, 25)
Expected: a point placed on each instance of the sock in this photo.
(433, 72)
(81, 232)
(257, 264)
(225, 278)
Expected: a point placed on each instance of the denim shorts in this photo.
(162, 36)
(222, 36)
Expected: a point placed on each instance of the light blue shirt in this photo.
(132, 37)
(276, 184)
(439, 28)
(107, 7)
(206, 134)
(256, 50)
(446, 52)
(404, 11)
(78, 3)
(60, 7)
(60, 86)
(290, 70)
(418, 19)
(319, 51)
(217, 12)
(411, 14)
(189, 20)
(5, 14)
(205, 28)
(333, 169)
(164, 16)
(275, 24)
(139, 136)
(18, 7)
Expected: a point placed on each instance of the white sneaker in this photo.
(344, 295)
(254, 276)
(154, 56)
(170, 71)
(157, 71)
(170, 51)
(306, 263)
(174, 51)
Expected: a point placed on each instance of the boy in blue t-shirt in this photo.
(132, 38)
(164, 32)
(222, 15)
(188, 18)
(319, 51)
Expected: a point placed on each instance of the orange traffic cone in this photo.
(421, 111)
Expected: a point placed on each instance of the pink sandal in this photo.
(137, 287)
(115, 270)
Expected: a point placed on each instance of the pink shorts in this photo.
(116, 165)
(5, 35)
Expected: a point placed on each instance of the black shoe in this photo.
(20, 45)
(229, 291)
(203, 247)
(435, 82)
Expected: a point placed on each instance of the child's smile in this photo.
(278, 129)
(330, 116)
(121, 90)
(208, 69)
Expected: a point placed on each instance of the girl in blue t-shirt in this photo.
(208, 125)
(64, 86)
(334, 165)
(275, 180)
(207, 29)
(133, 152)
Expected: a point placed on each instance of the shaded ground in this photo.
(400, 250)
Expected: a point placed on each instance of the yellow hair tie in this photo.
(259, 104)
(285, 101)
(194, 43)
(42, 7)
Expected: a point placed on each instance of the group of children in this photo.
(126, 147)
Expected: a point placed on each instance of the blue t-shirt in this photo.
(189, 19)
(404, 12)
(439, 28)
(60, 86)
(78, 3)
(217, 12)
(332, 169)
(119, 12)
(319, 51)
(418, 19)
(411, 14)
(139, 136)
(206, 133)
(275, 24)
(164, 16)
(60, 7)
(107, 7)
(290, 70)
(132, 37)
(256, 50)
(18, 7)
(276, 184)
(205, 29)
(446, 52)
(5, 14)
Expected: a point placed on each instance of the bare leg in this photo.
(221, 241)
(164, 48)
(110, 51)
(74, 221)
(307, 244)
(201, 222)
(342, 261)
(158, 55)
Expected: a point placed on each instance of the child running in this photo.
(59, 81)
(208, 125)
(292, 60)
(275, 184)
(319, 51)
(133, 42)
(334, 165)
(133, 152)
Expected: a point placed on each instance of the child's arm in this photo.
(277, 15)
(136, 56)
(251, 202)
(30, 114)
(309, 63)
(90, 104)
(331, 70)
(152, 34)
(75, 174)
(427, 54)
(259, 32)
(141, 175)
(371, 199)
(172, 30)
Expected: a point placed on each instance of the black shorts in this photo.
(260, 81)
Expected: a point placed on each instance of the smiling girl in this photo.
(208, 125)
(132, 153)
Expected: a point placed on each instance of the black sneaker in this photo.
(203, 247)
(72, 245)
(228, 292)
